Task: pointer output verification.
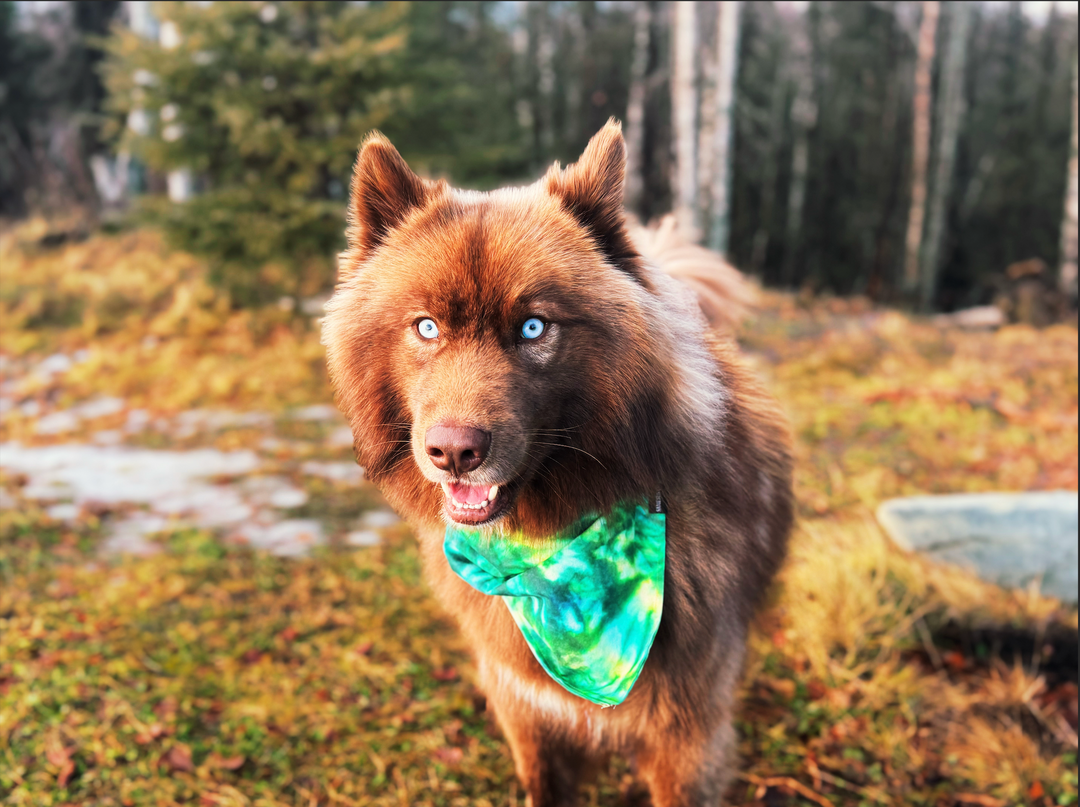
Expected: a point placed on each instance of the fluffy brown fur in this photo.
(628, 392)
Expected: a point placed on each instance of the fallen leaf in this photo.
(451, 756)
(232, 763)
(178, 758)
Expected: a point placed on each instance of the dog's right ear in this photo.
(383, 192)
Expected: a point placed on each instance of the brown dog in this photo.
(627, 392)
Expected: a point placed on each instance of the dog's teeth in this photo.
(493, 491)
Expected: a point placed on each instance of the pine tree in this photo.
(266, 103)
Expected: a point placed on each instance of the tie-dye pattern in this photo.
(588, 606)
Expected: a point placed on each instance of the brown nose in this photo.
(457, 449)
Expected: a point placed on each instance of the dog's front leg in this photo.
(547, 762)
(688, 773)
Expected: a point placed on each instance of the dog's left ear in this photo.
(591, 190)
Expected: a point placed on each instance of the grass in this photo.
(213, 675)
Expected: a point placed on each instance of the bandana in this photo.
(588, 604)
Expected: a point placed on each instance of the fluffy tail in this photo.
(724, 294)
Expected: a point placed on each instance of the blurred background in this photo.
(911, 152)
(202, 600)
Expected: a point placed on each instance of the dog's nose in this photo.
(457, 449)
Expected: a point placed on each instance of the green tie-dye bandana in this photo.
(588, 606)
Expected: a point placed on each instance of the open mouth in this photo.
(474, 504)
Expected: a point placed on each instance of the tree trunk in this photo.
(707, 49)
(545, 73)
(803, 119)
(727, 56)
(683, 112)
(1067, 274)
(635, 108)
(950, 110)
(576, 44)
(920, 153)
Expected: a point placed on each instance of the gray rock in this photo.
(317, 412)
(379, 519)
(292, 537)
(1006, 538)
(348, 472)
(341, 437)
(57, 423)
(98, 408)
(363, 538)
(63, 512)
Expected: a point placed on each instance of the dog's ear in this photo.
(591, 190)
(383, 192)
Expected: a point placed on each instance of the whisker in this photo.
(574, 448)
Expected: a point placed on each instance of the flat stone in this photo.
(109, 437)
(275, 491)
(57, 423)
(98, 408)
(54, 364)
(109, 474)
(1009, 539)
(979, 318)
(193, 421)
(129, 536)
(317, 412)
(137, 421)
(63, 512)
(379, 519)
(334, 471)
(292, 537)
(341, 437)
(363, 538)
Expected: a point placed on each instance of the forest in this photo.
(907, 151)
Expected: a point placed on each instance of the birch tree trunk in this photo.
(950, 111)
(635, 108)
(803, 119)
(727, 57)
(683, 111)
(707, 48)
(1067, 276)
(920, 153)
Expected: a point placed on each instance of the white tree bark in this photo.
(707, 52)
(924, 60)
(950, 111)
(803, 118)
(1067, 276)
(635, 108)
(727, 57)
(684, 115)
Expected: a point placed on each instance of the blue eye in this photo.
(427, 329)
(532, 328)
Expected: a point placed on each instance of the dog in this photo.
(513, 361)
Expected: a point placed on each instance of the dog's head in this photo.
(492, 351)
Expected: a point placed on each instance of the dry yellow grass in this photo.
(337, 681)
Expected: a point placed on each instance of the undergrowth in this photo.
(214, 675)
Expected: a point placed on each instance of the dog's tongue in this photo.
(468, 494)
